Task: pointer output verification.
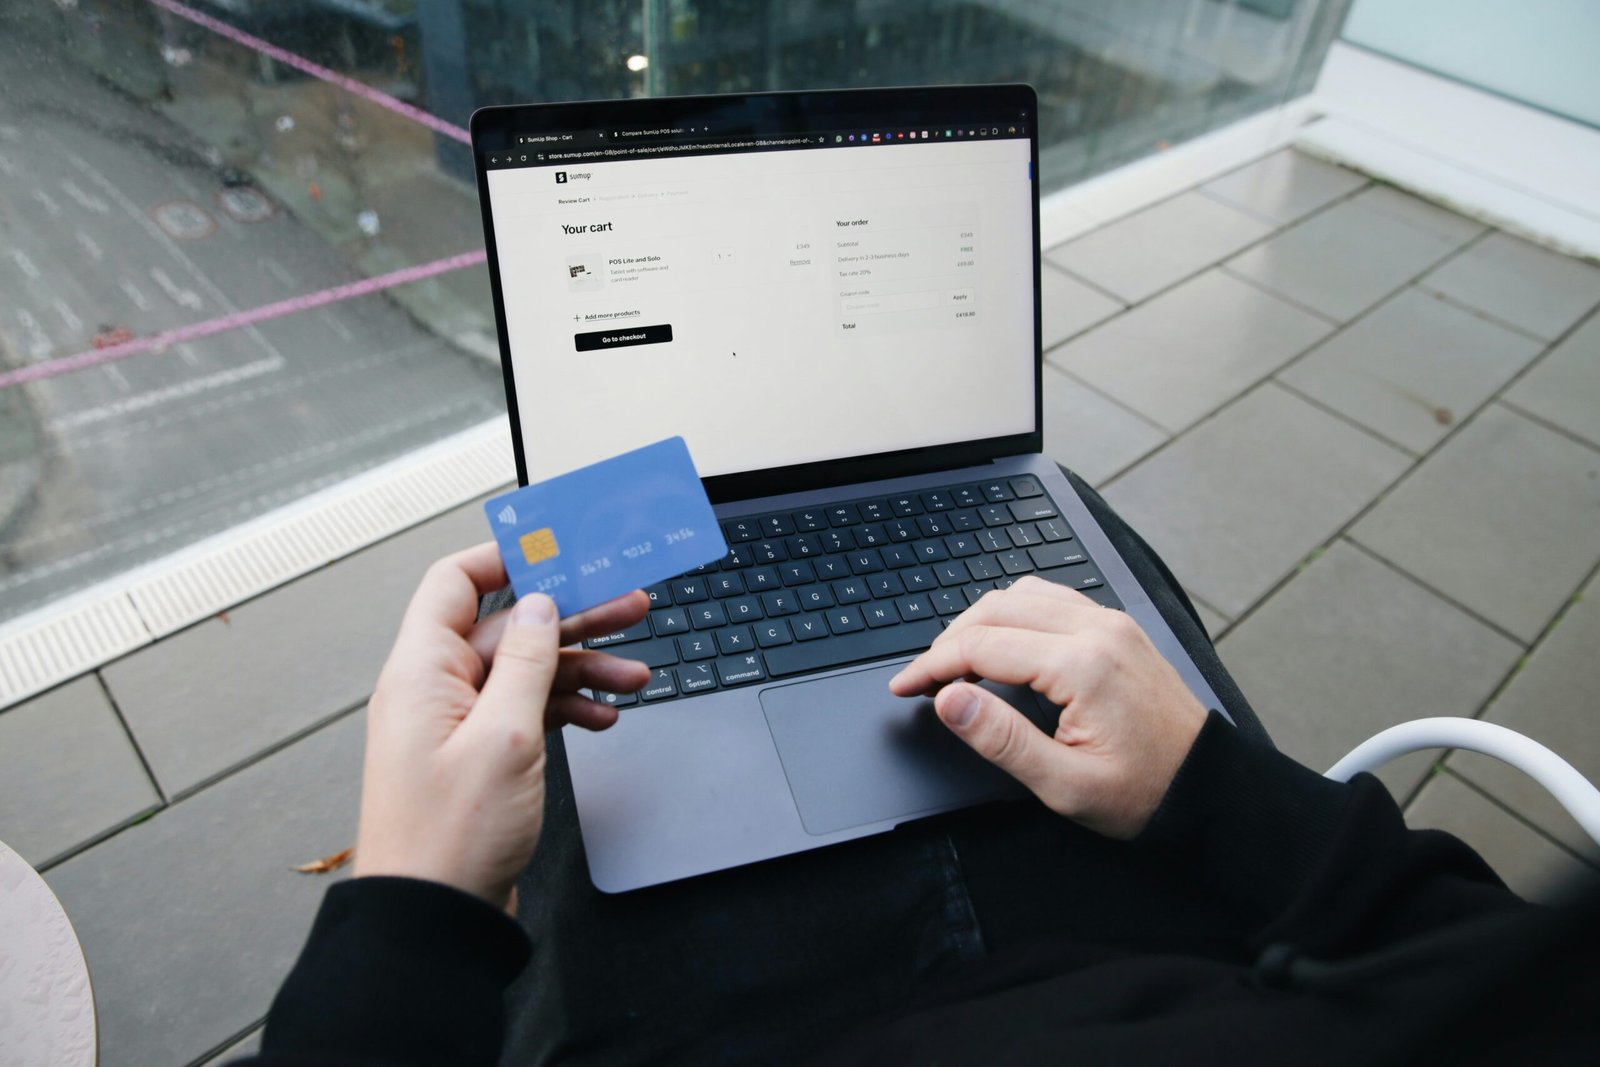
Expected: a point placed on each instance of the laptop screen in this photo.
(778, 294)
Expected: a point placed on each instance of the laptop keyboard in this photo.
(800, 591)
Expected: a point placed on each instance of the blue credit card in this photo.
(595, 533)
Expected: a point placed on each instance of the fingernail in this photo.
(964, 709)
(535, 609)
(896, 678)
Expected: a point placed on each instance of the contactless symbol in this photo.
(539, 545)
(508, 515)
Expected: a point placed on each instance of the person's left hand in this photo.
(453, 789)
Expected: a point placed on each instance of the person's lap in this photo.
(771, 960)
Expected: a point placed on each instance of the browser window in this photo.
(775, 307)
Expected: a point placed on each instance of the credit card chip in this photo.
(539, 545)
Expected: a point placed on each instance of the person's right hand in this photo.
(1127, 719)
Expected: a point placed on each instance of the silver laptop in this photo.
(834, 298)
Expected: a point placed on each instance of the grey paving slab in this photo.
(67, 772)
(248, 1045)
(1565, 386)
(1285, 186)
(1504, 518)
(1236, 503)
(1532, 865)
(1347, 258)
(1554, 699)
(1413, 368)
(1518, 282)
(216, 694)
(1182, 355)
(1090, 434)
(1349, 648)
(190, 920)
(1138, 256)
(1070, 307)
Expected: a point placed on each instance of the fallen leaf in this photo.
(1443, 416)
(327, 863)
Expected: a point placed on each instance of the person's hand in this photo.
(1127, 720)
(453, 789)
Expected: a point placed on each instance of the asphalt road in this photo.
(109, 216)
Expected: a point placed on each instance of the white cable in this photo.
(1571, 789)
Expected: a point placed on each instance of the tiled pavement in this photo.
(1365, 432)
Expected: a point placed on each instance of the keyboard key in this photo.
(913, 608)
(810, 627)
(1076, 577)
(769, 552)
(881, 614)
(637, 632)
(735, 639)
(728, 583)
(994, 540)
(743, 609)
(836, 541)
(897, 556)
(906, 505)
(952, 573)
(886, 585)
(760, 579)
(934, 525)
(901, 530)
(813, 597)
(776, 526)
(867, 645)
(782, 603)
(803, 546)
(867, 562)
(810, 520)
(846, 620)
(1024, 534)
(663, 684)
(697, 646)
(741, 670)
(842, 515)
(965, 520)
(703, 569)
(794, 574)
(1060, 554)
(984, 568)
(995, 515)
(689, 590)
(948, 602)
(662, 652)
(1016, 562)
(851, 591)
(660, 595)
(831, 567)
(919, 579)
(669, 622)
(1054, 530)
(1028, 510)
(707, 616)
(937, 501)
(997, 492)
(871, 535)
(874, 510)
(962, 545)
(738, 556)
(741, 530)
(615, 700)
(772, 633)
(696, 678)
(974, 591)
(968, 496)
(930, 551)
(1026, 487)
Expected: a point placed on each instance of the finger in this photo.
(613, 615)
(448, 595)
(1002, 735)
(578, 710)
(1000, 654)
(1025, 607)
(583, 669)
(514, 696)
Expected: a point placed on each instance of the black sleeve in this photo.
(397, 971)
(1330, 867)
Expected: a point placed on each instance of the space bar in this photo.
(868, 644)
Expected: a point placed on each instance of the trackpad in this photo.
(855, 754)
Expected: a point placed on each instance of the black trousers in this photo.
(767, 963)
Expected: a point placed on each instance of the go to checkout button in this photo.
(632, 335)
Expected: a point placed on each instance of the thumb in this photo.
(519, 683)
(1002, 735)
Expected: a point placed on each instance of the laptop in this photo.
(834, 298)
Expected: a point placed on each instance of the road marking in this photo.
(90, 247)
(187, 353)
(24, 264)
(140, 301)
(49, 203)
(39, 345)
(337, 327)
(67, 316)
(180, 391)
(275, 269)
(184, 219)
(244, 319)
(8, 168)
(183, 297)
(85, 198)
(117, 376)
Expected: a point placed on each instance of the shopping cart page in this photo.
(774, 308)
